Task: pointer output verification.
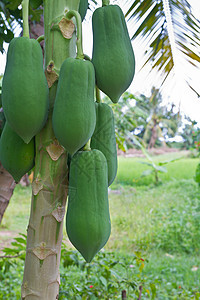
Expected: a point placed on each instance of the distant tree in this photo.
(190, 134)
(145, 117)
(161, 122)
(128, 117)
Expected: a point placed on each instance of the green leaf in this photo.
(161, 163)
(20, 240)
(36, 15)
(153, 290)
(12, 5)
(197, 174)
(152, 26)
(146, 163)
(103, 281)
(161, 169)
(9, 36)
(147, 172)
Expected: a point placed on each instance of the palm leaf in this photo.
(151, 25)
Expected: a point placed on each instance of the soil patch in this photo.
(153, 151)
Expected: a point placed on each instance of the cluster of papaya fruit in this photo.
(86, 128)
(83, 126)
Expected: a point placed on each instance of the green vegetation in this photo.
(154, 243)
(130, 169)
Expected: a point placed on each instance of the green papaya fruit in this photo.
(2, 121)
(16, 156)
(113, 55)
(83, 6)
(88, 219)
(24, 88)
(74, 114)
(35, 3)
(103, 138)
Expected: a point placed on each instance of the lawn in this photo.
(155, 236)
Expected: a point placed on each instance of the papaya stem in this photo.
(105, 2)
(25, 10)
(86, 57)
(98, 95)
(87, 146)
(40, 39)
(70, 14)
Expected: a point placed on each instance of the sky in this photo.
(175, 91)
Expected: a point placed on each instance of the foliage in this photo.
(162, 122)
(197, 174)
(155, 168)
(11, 268)
(127, 118)
(141, 115)
(190, 134)
(17, 250)
(104, 278)
(154, 21)
(9, 15)
(130, 170)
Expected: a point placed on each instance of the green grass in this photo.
(159, 223)
(164, 217)
(130, 170)
(17, 213)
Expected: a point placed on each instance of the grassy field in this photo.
(158, 223)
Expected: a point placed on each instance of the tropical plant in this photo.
(161, 122)
(145, 117)
(155, 168)
(190, 134)
(169, 31)
(128, 118)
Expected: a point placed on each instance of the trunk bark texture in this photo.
(154, 135)
(49, 187)
(7, 185)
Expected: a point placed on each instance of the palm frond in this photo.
(151, 26)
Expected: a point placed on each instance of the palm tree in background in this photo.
(170, 32)
(161, 122)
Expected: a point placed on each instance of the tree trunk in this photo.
(49, 187)
(154, 135)
(7, 185)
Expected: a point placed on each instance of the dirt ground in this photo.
(153, 151)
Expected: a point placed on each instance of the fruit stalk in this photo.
(25, 9)
(98, 95)
(70, 14)
(87, 146)
(49, 187)
(105, 2)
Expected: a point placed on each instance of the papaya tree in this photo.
(58, 129)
